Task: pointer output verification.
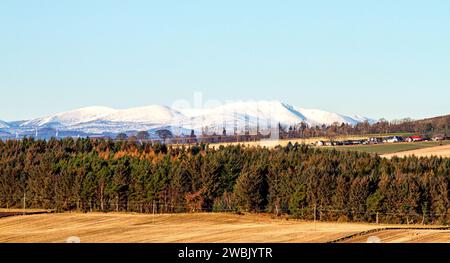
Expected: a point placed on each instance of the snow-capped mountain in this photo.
(319, 117)
(4, 125)
(263, 112)
(260, 109)
(91, 121)
(151, 114)
(69, 118)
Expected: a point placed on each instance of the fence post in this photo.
(320, 214)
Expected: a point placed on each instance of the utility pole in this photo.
(153, 218)
(236, 126)
(24, 202)
(446, 131)
(257, 126)
(315, 223)
(247, 125)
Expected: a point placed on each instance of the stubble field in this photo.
(189, 228)
(441, 151)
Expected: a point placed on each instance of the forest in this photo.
(298, 181)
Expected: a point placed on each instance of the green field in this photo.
(389, 147)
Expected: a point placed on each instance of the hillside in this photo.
(437, 125)
(3, 125)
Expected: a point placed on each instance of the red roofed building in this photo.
(414, 139)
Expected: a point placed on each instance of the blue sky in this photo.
(375, 58)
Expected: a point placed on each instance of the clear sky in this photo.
(375, 58)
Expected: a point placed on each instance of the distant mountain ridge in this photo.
(3, 125)
(104, 121)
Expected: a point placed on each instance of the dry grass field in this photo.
(442, 151)
(177, 228)
(406, 236)
(389, 148)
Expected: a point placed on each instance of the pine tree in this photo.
(297, 202)
(251, 189)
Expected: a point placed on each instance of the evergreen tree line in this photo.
(298, 180)
(438, 126)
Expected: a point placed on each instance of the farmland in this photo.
(309, 141)
(442, 151)
(390, 148)
(181, 228)
(406, 236)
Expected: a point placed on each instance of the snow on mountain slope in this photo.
(363, 119)
(3, 125)
(251, 112)
(319, 117)
(151, 114)
(71, 117)
(264, 112)
(101, 126)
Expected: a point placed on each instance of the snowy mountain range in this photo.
(104, 121)
(3, 125)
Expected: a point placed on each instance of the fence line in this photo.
(161, 207)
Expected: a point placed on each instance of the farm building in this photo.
(414, 139)
(438, 138)
(320, 143)
(375, 140)
(394, 139)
